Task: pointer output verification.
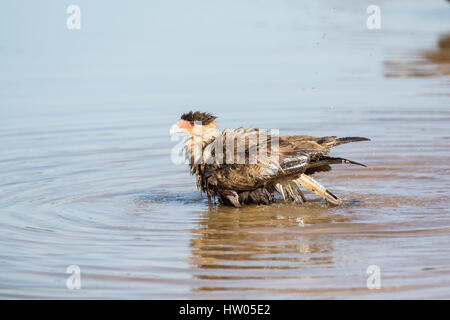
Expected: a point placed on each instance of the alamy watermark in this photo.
(74, 20)
(374, 279)
(73, 282)
(374, 20)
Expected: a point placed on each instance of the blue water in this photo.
(85, 171)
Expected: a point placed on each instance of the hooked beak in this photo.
(181, 126)
(174, 129)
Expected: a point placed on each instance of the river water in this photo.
(86, 177)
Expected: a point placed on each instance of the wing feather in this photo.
(226, 170)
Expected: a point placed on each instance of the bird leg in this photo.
(300, 192)
(292, 189)
(312, 185)
(279, 188)
(290, 192)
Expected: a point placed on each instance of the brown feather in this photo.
(237, 184)
(197, 116)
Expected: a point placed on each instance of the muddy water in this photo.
(85, 171)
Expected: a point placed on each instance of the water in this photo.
(85, 171)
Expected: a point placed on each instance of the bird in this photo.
(245, 166)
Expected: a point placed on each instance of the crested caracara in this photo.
(247, 165)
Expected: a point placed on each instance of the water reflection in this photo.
(258, 240)
(433, 62)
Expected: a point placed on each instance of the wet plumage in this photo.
(248, 165)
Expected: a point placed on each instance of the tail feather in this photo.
(324, 161)
(338, 160)
(339, 141)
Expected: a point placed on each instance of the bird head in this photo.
(193, 123)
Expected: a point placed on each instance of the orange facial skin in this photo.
(183, 124)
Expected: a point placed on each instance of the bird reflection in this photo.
(255, 242)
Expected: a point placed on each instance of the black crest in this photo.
(203, 117)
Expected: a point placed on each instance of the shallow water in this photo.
(85, 171)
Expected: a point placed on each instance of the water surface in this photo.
(85, 171)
